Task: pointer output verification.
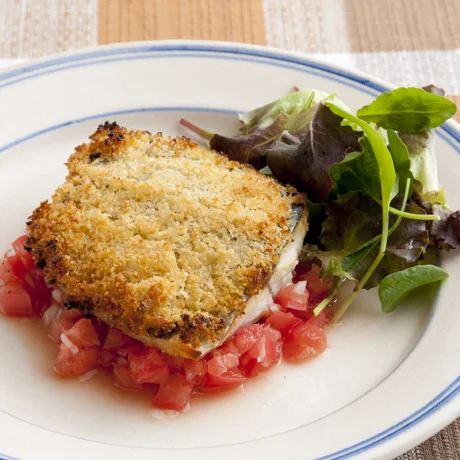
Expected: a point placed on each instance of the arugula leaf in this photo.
(290, 104)
(350, 261)
(408, 110)
(306, 165)
(397, 286)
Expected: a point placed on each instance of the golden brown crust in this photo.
(159, 237)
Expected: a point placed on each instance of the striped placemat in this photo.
(407, 42)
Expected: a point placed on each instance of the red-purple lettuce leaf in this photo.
(252, 148)
(306, 165)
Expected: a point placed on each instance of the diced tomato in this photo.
(227, 347)
(59, 326)
(174, 393)
(317, 287)
(301, 269)
(69, 364)
(220, 364)
(254, 348)
(17, 267)
(27, 260)
(304, 341)
(6, 273)
(117, 339)
(175, 363)
(228, 380)
(293, 297)
(137, 347)
(14, 300)
(247, 336)
(122, 378)
(282, 321)
(148, 366)
(72, 314)
(101, 328)
(18, 244)
(272, 334)
(18, 247)
(319, 320)
(264, 354)
(83, 334)
(195, 371)
(106, 358)
(264, 350)
(39, 292)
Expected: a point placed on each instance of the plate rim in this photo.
(13, 74)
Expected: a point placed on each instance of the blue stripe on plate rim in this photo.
(449, 132)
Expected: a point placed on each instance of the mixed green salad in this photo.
(376, 208)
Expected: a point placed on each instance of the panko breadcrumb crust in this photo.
(159, 237)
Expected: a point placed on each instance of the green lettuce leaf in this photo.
(290, 104)
(359, 171)
(329, 261)
(423, 164)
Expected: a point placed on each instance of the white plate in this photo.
(386, 383)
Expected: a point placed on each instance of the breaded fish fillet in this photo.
(169, 242)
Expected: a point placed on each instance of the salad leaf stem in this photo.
(410, 215)
(201, 132)
(324, 303)
(344, 307)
